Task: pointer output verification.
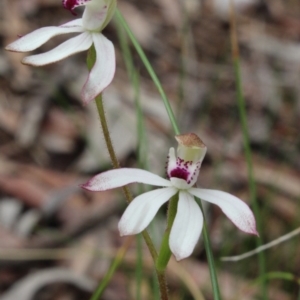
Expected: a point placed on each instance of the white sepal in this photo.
(103, 70)
(74, 45)
(120, 177)
(35, 39)
(141, 211)
(234, 208)
(187, 226)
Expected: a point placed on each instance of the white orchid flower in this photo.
(95, 17)
(183, 172)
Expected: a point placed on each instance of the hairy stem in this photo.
(115, 163)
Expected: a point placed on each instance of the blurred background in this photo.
(57, 241)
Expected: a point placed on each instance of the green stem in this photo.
(210, 257)
(141, 134)
(252, 184)
(168, 107)
(108, 141)
(279, 275)
(162, 285)
(115, 162)
(165, 252)
(139, 267)
(116, 165)
(150, 71)
(116, 262)
(246, 141)
(141, 153)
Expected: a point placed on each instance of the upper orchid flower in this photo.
(96, 16)
(183, 172)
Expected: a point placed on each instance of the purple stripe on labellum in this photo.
(72, 4)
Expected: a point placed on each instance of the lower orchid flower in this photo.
(96, 15)
(182, 172)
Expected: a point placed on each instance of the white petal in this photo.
(74, 45)
(234, 208)
(141, 211)
(35, 39)
(103, 70)
(187, 226)
(120, 177)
